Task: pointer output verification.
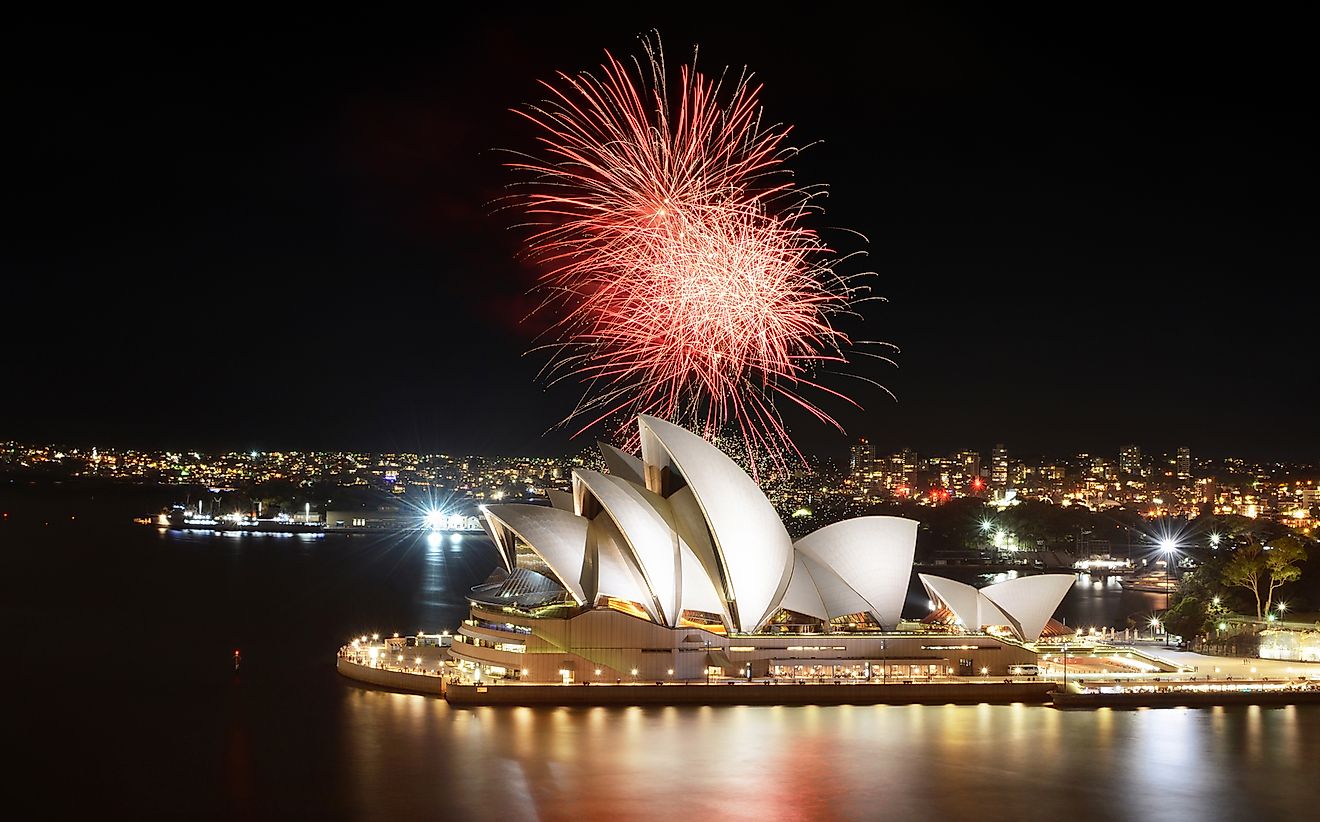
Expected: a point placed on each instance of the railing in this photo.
(382, 662)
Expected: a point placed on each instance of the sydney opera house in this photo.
(675, 567)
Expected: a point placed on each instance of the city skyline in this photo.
(1084, 229)
(1171, 457)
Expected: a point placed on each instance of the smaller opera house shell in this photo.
(675, 567)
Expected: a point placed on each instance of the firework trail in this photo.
(682, 281)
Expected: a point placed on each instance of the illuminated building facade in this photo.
(1183, 464)
(1129, 460)
(675, 566)
(999, 468)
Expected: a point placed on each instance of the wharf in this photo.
(1200, 694)
(748, 693)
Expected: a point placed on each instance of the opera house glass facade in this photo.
(673, 567)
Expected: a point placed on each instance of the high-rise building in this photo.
(861, 457)
(999, 467)
(1184, 466)
(1129, 460)
(909, 458)
(970, 463)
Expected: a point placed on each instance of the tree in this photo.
(1263, 570)
(1281, 560)
(1187, 618)
(1246, 570)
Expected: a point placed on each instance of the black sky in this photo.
(1092, 229)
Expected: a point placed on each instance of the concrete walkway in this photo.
(1233, 665)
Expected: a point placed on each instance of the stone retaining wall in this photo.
(394, 680)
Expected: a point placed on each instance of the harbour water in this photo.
(124, 702)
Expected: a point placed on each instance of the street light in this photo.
(1065, 667)
(1168, 546)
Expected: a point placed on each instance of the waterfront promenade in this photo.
(1167, 677)
(760, 692)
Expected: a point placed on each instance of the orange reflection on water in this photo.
(414, 757)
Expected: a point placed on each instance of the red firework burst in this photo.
(684, 283)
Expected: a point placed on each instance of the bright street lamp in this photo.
(1168, 546)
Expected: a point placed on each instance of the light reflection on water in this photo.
(289, 739)
(816, 762)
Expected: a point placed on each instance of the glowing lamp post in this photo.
(1168, 547)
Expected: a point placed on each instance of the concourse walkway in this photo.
(1234, 666)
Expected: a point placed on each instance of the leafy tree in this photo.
(1263, 571)
(1188, 617)
(1281, 561)
(1247, 570)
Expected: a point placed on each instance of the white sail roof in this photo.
(1029, 601)
(698, 592)
(839, 597)
(562, 500)
(506, 555)
(557, 537)
(686, 529)
(617, 574)
(989, 614)
(621, 464)
(959, 597)
(873, 555)
(802, 594)
(644, 523)
(748, 536)
(1025, 605)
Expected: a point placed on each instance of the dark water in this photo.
(123, 704)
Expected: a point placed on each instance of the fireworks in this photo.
(682, 281)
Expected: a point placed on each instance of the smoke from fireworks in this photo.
(682, 280)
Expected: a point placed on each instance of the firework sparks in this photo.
(682, 281)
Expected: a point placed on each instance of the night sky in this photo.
(1091, 230)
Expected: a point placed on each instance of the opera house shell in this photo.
(674, 565)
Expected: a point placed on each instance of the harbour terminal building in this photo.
(675, 567)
